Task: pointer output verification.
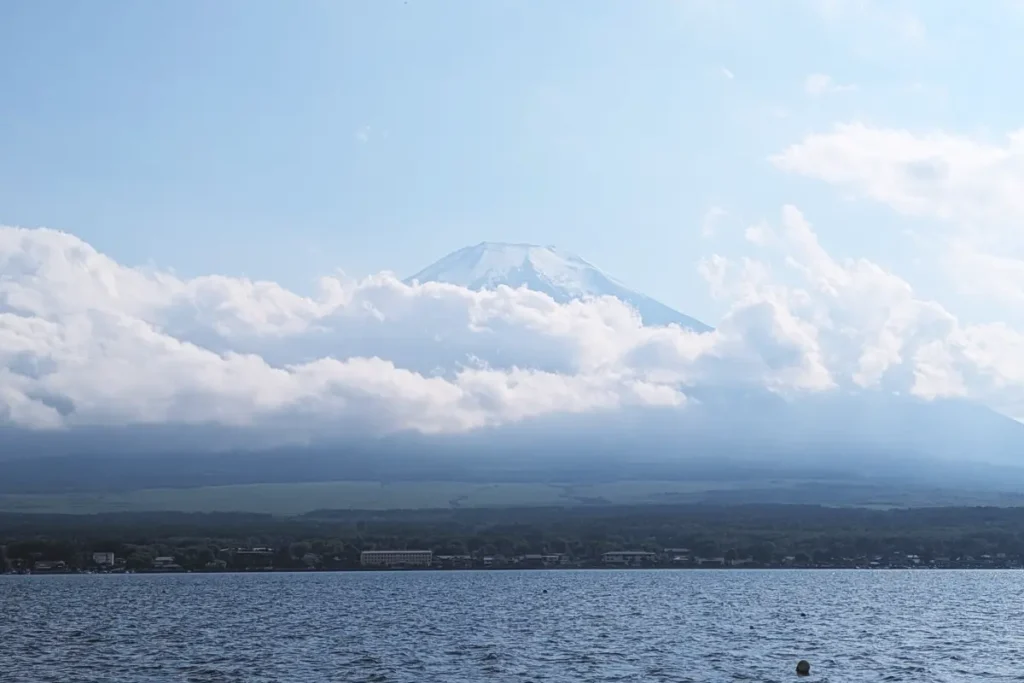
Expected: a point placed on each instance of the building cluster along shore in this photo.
(263, 559)
(671, 536)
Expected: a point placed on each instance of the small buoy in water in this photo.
(803, 668)
(802, 614)
(545, 590)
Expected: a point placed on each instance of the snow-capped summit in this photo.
(559, 274)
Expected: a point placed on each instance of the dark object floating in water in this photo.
(803, 668)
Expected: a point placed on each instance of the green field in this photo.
(366, 495)
(297, 498)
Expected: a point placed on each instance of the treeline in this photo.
(766, 534)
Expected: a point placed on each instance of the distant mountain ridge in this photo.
(561, 275)
(866, 440)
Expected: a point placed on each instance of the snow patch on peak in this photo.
(560, 274)
(490, 264)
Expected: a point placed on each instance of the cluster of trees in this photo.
(333, 539)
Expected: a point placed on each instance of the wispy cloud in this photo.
(874, 23)
(816, 85)
(711, 221)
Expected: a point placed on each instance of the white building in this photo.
(396, 558)
(628, 558)
(103, 559)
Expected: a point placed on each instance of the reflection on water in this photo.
(500, 626)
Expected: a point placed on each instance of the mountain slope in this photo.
(561, 275)
(896, 443)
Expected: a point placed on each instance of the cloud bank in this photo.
(85, 340)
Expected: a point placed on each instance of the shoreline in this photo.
(421, 570)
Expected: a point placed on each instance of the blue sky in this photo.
(283, 140)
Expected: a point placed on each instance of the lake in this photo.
(470, 627)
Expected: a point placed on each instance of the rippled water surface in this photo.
(503, 626)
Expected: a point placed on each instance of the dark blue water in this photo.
(501, 626)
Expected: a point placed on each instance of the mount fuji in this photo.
(559, 274)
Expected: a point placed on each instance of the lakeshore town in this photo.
(270, 559)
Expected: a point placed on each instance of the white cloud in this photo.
(85, 340)
(757, 234)
(822, 84)
(1000, 278)
(711, 220)
(969, 187)
(933, 174)
(876, 23)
